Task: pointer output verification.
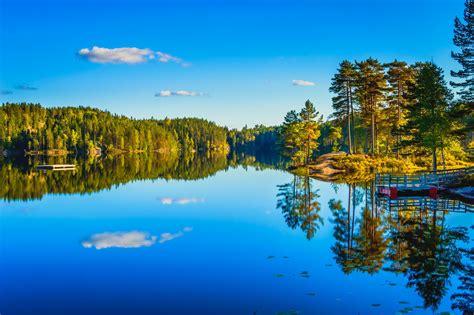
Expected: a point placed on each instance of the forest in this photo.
(35, 129)
(393, 109)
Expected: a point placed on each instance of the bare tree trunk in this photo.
(398, 121)
(442, 155)
(349, 133)
(434, 159)
(352, 120)
(367, 136)
(372, 144)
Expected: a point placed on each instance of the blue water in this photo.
(186, 247)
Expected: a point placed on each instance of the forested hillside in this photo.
(36, 129)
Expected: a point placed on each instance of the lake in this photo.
(220, 235)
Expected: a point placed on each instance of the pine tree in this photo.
(428, 118)
(343, 85)
(464, 39)
(300, 133)
(289, 133)
(399, 77)
(309, 131)
(370, 94)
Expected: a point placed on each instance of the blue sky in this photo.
(236, 60)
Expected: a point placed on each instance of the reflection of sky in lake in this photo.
(220, 267)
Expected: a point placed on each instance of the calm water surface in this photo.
(242, 241)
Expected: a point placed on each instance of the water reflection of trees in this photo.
(362, 249)
(21, 181)
(463, 299)
(298, 201)
(415, 242)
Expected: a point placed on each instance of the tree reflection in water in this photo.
(299, 204)
(363, 250)
(463, 300)
(415, 242)
(21, 181)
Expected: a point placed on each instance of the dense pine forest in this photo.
(35, 129)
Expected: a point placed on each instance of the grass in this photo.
(362, 167)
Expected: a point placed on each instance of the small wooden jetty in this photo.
(56, 167)
(419, 184)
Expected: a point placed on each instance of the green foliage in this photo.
(253, 140)
(370, 94)
(342, 85)
(335, 134)
(30, 127)
(400, 77)
(429, 122)
(464, 39)
(197, 134)
(385, 110)
(364, 164)
(300, 133)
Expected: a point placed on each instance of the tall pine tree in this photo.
(343, 86)
(428, 115)
(370, 94)
(464, 39)
(399, 77)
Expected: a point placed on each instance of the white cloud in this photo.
(132, 239)
(187, 93)
(127, 55)
(180, 201)
(303, 83)
(166, 57)
(166, 237)
(167, 93)
(164, 93)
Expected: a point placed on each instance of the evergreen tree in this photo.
(289, 134)
(300, 133)
(309, 131)
(342, 85)
(399, 77)
(464, 39)
(428, 116)
(370, 94)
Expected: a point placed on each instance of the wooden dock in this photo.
(419, 184)
(56, 167)
(423, 203)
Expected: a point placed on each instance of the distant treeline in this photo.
(35, 129)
